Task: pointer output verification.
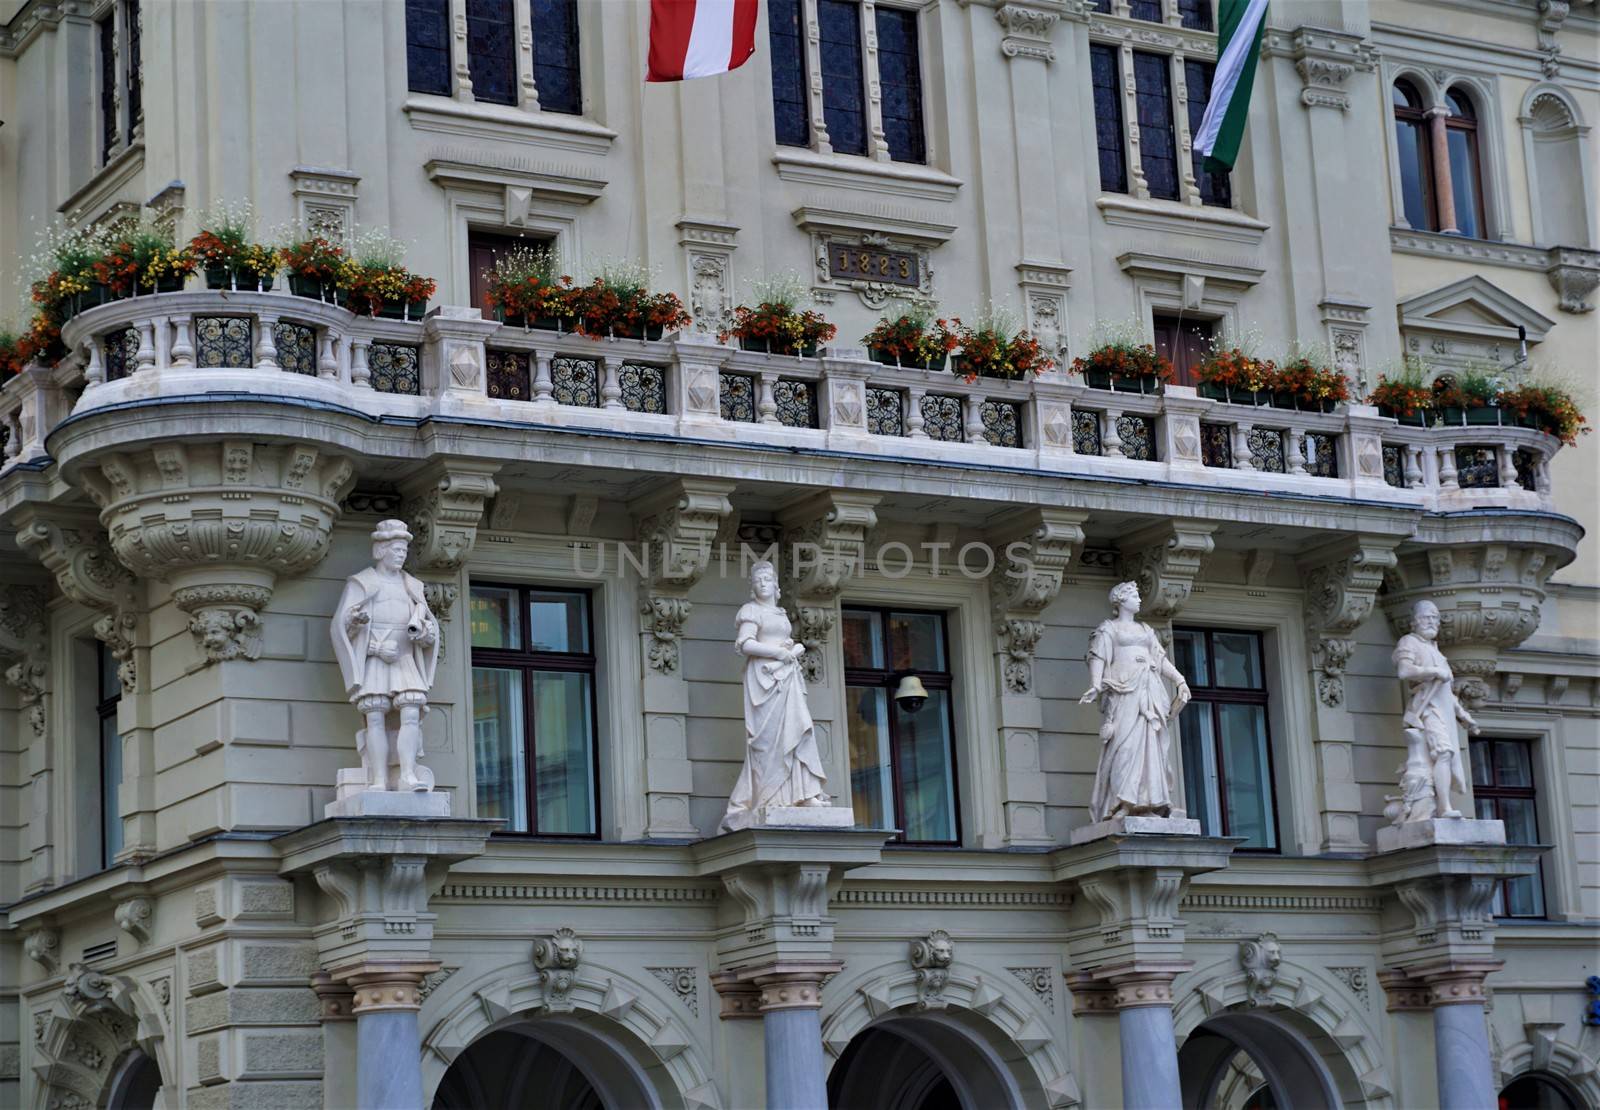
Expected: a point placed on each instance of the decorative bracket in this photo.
(931, 957)
(25, 648)
(824, 544)
(676, 529)
(1165, 561)
(1341, 588)
(75, 549)
(443, 506)
(1026, 32)
(1034, 549)
(557, 957)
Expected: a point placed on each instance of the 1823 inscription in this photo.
(853, 263)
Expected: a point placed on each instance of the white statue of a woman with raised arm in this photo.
(782, 766)
(1126, 668)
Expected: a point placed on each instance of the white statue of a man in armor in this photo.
(387, 644)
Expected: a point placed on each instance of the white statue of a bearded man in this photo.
(1434, 764)
(387, 644)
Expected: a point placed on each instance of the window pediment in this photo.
(1471, 321)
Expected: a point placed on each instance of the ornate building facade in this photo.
(183, 496)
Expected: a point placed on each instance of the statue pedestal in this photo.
(808, 817)
(1440, 830)
(390, 803)
(1148, 825)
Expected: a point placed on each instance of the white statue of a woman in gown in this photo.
(1126, 668)
(782, 766)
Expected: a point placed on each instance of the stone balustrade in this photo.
(455, 363)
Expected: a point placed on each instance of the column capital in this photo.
(741, 997)
(385, 985)
(335, 999)
(1143, 983)
(1090, 994)
(792, 985)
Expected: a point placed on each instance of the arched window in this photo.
(1415, 157)
(1466, 179)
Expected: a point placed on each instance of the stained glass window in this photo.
(575, 381)
(1158, 150)
(1195, 14)
(843, 97)
(1215, 188)
(790, 114)
(644, 388)
(223, 341)
(1145, 9)
(556, 73)
(509, 378)
(492, 51)
(428, 46)
(394, 368)
(885, 412)
(797, 403)
(941, 417)
(1105, 73)
(1138, 435)
(1216, 445)
(900, 80)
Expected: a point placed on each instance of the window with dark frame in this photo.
(1466, 171)
(900, 83)
(1415, 156)
(556, 72)
(1105, 69)
(1183, 341)
(1227, 741)
(1195, 15)
(110, 132)
(108, 693)
(534, 709)
(902, 764)
(844, 102)
(1503, 789)
(790, 113)
(483, 248)
(1216, 189)
(428, 46)
(492, 50)
(133, 74)
(1158, 144)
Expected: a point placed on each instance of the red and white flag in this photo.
(699, 38)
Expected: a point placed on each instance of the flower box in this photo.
(223, 277)
(774, 347)
(401, 310)
(634, 331)
(302, 286)
(885, 358)
(1102, 379)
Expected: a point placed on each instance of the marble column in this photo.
(791, 1034)
(1149, 1046)
(1443, 191)
(1461, 1039)
(388, 1041)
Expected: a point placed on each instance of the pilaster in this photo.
(1035, 548)
(676, 527)
(1341, 588)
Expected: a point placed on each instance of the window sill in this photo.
(1521, 256)
(504, 123)
(1171, 218)
(849, 171)
(125, 166)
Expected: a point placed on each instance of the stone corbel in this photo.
(677, 528)
(1341, 588)
(25, 649)
(1574, 274)
(557, 958)
(824, 545)
(1164, 562)
(43, 947)
(931, 957)
(443, 505)
(219, 522)
(1033, 550)
(75, 549)
(1026, 31)
(134, 917)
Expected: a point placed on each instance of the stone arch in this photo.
(1421, 79)
(1551, 1059)
(1303, 1003)
(1555, 155)
(606, 1016)
(82, 1039)
(977, 1015)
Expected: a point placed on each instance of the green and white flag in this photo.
(1239, 41)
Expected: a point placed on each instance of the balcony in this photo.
(454, 364)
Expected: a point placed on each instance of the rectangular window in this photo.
(1503, 789)
(1195, 14)
(1227, 746)
(109, 133)
(533, 709)
(844, 107)
(555, 56)
(900, 79)
(902, 761)
(1215, 189)
(1158, 149)
(1106, 74)
(789, 109)
(1145, 9)
(107, 695)
(133, 78)
(492, 51)
(428, 46)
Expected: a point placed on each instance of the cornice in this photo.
(1171, 218)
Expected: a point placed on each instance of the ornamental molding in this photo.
(524, 181)
(1172, 218)
(1325, 60)
(880, 227)
(1035, 550)
(676, 528)
(1469, 321)
(219, 522)
(824, 546)
(1027, 31)
(536, 893)
(1106, 28)
(1573, 272)
(1165, 561)
(931, 957)
(443, 505)
(557, 958)
(1341, 589)
(875, 896)
(1238, 274)
(76, 550)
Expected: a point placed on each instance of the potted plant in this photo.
(66, 264)
(373, 280)
(915, 338)
(776, 324)
(226, 252)
(1234, 375)
(313, 264)
(1403, 394)
(1118, 364)
(1308, 384)
(526, 291)
(618, 303)
(1466, 397)
(991, 349)
(11, 352)
(1546, 407)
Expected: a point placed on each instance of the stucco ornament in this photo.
(782, 766)
(557, 957)
(387, 644)
(1260, 959)
(1126, 667)
(1435, 765)
(931, 956)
